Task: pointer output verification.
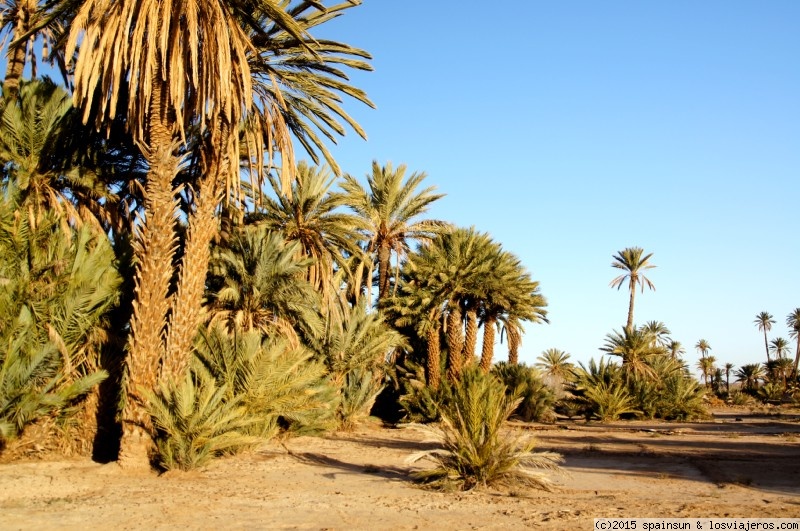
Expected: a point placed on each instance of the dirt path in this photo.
(360, 481)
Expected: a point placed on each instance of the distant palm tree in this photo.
(675, 349)
(728, 368)
(707, 367)
(749, 375)
(703, 347)
(634, 264)
(658, 331)
(389, 209)
(635, 347)
(764, 322)
(554, 362)
(779, 347)
(793, 322)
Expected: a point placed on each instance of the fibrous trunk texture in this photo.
(514, 341)
(487, 352)
(471, 338)
(455, 344)
(154, 250)
(384, 263)
(434, 358)
(186, 309)
(17, 53)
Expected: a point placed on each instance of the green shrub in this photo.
(526, 382)
(476, 450)
(196, 421)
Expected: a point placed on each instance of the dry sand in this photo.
(359, 480)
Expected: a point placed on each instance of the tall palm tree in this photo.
(793, 322)
(764, 322)
(634, 264)
(181, 68)
(390, 207)
(311, 214)
(707, 367)
(779, 347)
(728, 368)
(703, 347)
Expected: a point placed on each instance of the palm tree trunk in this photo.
(471, 338)
(487, 352)
(514, 341)
(384, 263)
(766, 344)
(434, 368)
(17, 53)
(796, 357)
(187, 302)
(629, 325)
(455, 343)
(154, 250)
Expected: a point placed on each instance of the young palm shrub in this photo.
(419, 401)
(526, 382)
(476, 450)
(278, 384)
(195, 421)
(601, 386)
(359, 393)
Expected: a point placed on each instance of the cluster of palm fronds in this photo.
(476, 448)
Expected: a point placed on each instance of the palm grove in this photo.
(175, 284)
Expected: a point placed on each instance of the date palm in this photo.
(180, 68)
(779, 347)
(390, 207)
(675, 349)
(728, 368)
(793, 322)
(634, 263)
(659, 332)
(749, 375)
(635, 347)
(554, 362)
(256, 283)
(703, 347)
(764, 322)
(311, 215)
(707, 367)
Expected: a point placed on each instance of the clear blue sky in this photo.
(571, 130)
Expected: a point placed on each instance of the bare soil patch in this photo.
(724, 468)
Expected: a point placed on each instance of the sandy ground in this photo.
(725, 468)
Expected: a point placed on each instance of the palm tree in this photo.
(764, 322)
(728, 369)
(554, 362)
(703, 347)
(779, 347)
(389, 209)
(675, 349)
(793, 322)
(659, 332)
(182, 68)
(707, 367)
(634, 264)
(257, 283)
(635, 347)
(749, 375)
(311, 215)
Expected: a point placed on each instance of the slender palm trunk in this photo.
(455, 343)
(203, 224)
(487, 352)
(384, 263)
(629, 325)
(514, 341)
(433, 367)
(766, 344)
(796, 357)
(471, 338)
(154, 250)
(18, 52)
